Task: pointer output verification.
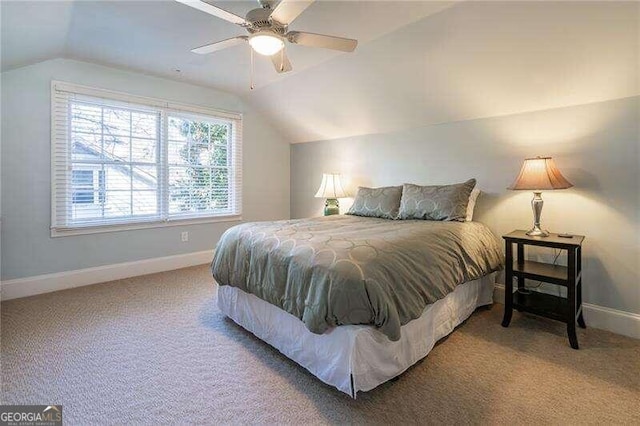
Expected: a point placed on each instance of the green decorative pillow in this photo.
(440, 202)
(377, 202)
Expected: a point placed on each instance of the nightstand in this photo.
(567, 310)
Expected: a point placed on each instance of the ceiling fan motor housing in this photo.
(259, 19)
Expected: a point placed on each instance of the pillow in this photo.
(377, 202)
(472, 204)
(442, 202)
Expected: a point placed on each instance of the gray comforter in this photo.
(336, 270)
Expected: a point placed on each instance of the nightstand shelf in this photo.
(566, 309)
(546, 305)
(539, 271)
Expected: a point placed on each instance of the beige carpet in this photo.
(156, 349)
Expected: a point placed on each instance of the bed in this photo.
(354, 300)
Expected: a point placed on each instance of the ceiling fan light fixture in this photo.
(266, 43)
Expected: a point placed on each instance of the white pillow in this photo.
(472, 204)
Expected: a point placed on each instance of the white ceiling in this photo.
(156, 36)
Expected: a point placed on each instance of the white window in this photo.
(122, 161)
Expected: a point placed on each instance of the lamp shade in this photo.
(538, 174)
(330, 187)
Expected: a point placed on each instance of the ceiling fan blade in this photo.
(281, 62)
(288, 10)
(219, 45)
(215, 11)
(321, 40)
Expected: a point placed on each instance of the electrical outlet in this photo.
(184, 236)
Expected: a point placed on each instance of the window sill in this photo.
(100, 229)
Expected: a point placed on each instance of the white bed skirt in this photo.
(355, 357)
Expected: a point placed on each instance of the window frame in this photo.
(165, 109)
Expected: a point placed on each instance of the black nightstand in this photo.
(569, 309)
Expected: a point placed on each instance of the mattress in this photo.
(355, 358)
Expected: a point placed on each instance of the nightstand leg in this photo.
(573, 338)
(508, 310)
(571, 298)
(581, 322)
(520, 248)
(508, 285)
(520, 260)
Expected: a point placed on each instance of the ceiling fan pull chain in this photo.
(251, 73)
(281, 60)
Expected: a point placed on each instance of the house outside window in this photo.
(88, 186)
(122, 161)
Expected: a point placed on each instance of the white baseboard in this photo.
(30, 286)
(619, 322)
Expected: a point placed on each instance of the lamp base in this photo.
(537, 232)
(536, 205)
(331, 207)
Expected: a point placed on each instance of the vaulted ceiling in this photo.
(475, 59)
(418, 63)
(156, 36)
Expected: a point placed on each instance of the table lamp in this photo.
(331, 189)
(538, 174)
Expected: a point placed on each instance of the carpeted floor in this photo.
(156, 349)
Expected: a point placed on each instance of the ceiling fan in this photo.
(268, 30)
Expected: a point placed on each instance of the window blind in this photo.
(119, 159)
